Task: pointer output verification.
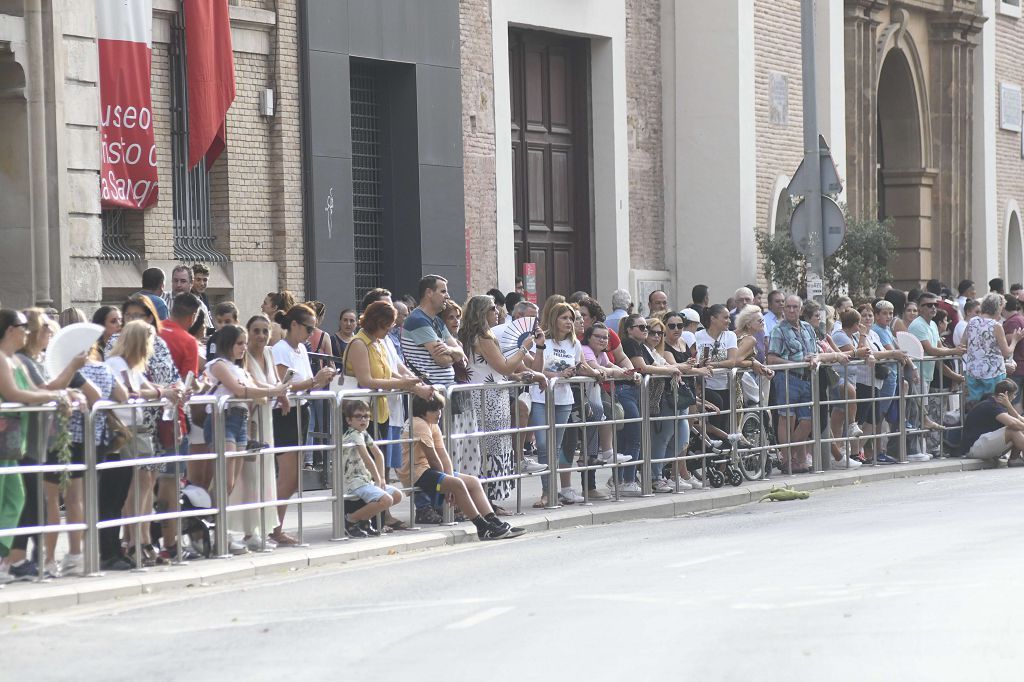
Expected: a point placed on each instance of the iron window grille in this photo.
(368, 153)
(115, 238)
(193, 229)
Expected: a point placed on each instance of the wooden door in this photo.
(551, 159)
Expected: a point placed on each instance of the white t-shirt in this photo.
(958, 332)
(710, 351)
(293, 358)
(689, 338)
(558, 357)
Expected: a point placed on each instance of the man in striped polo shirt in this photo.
(429, 348)
(431, 352)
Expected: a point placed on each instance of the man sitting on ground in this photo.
(993, 427)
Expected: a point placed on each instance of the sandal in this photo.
(541, 503)
(500, 511)
(396, 524)
(283, 539)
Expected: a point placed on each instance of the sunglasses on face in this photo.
(657, 332)
(927, 305)
(641, 327)
(675, 325)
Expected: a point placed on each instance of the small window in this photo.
(115, 237)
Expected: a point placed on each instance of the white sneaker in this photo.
(237, 547)
(569, 496)
(662, 486)
(51, 570)
(854, 430)
(845, 463)
(253, 544)
(606, 456)
(630, 489)
(72, 564)
(531, 466)
(919, 457)
(686, 483)
(597, 494)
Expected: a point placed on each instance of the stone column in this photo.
(954, 36)
(862, 104)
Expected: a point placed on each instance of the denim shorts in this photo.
(799, 392)
(236, 427)
(371, 493)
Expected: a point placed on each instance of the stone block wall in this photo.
(779, 144)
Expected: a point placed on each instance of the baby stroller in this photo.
(747, 460)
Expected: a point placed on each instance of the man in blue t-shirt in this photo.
(153, 288)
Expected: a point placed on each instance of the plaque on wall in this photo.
(1009, 107)
(778, 98)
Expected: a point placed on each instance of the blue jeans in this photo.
(629, 437)
(538, 418)
(664, 433)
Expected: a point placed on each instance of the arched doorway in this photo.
(1014, 251)
(15, 201)
(904, 181)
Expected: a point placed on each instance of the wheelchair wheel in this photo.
(715, 477)
(734, 476)
(751, 464)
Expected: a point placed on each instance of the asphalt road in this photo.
(915, 579)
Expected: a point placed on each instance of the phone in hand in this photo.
(288, 376)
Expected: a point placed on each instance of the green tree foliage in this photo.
(861, 262)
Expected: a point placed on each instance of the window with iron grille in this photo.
(368, 156)
(115, 237)
(193, 228)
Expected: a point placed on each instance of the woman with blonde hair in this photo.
(128, 359)
(561, 357)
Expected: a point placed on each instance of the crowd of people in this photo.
(168, 346)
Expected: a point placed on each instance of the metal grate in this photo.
(115, 238)
(193, 229)
(367, 183)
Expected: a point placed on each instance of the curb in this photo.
(72, 592)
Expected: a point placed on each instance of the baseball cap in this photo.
(690, 315)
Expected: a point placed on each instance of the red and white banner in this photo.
(211, 77)
(125, 32)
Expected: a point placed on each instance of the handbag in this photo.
(656, 392)
(881, 372)
(613, 408)
(115, 433)
(342, 381)
(830, 376)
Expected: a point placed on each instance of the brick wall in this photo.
(1009, 165)
(151, 232)
(779, 146)
(644, 130)
(478, 143)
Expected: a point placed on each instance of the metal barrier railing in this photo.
(745, 449)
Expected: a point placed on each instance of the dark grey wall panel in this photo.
(328, 26)
(329, 107)
(364, 29)
(439, 92)
(442, 215)
(332, 177)
(425, 217)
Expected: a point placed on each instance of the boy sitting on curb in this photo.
(432, 471)
(364, 472)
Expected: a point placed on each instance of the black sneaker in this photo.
(117, 563)
(494, 532)
(27, 570)
(511, 531)
(355, 530)
(428, 515)
(369, 528)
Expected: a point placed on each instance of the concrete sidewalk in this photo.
(18, 598)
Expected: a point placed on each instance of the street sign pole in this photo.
(812, 152)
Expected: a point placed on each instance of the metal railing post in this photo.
(903, 386)
(91, 494)
(552, 474)
(220, 477)
(816, 419)
(448, 424)
(338, 473)
(645, 469)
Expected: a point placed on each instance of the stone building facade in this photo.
(255, 210)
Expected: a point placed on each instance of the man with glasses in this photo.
(793, 340)
(927, 333)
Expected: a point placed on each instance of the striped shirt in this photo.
(419, 330)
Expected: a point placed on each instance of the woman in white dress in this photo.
(492, 407)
